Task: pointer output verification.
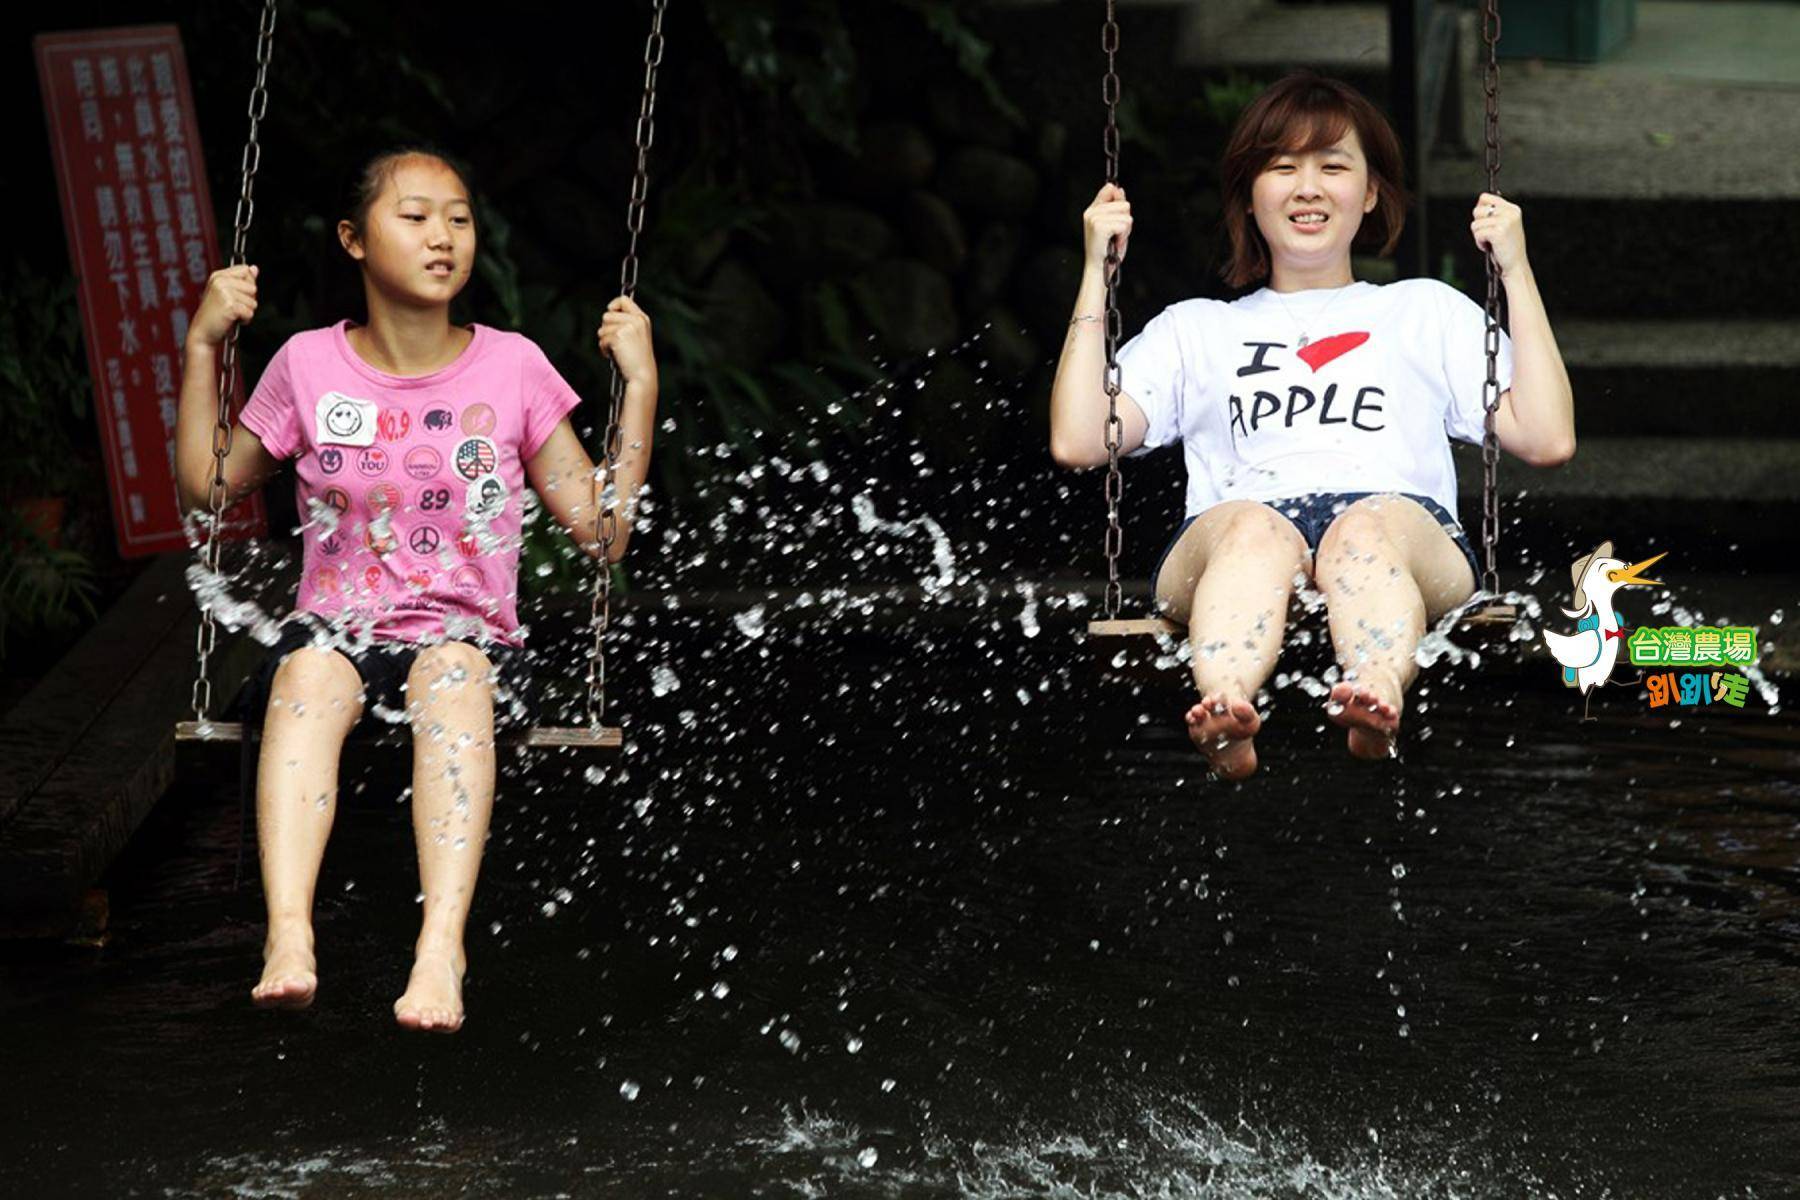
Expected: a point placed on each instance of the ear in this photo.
(350, 240)
(1371, 200)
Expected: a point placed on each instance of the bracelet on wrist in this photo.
(1076, 320)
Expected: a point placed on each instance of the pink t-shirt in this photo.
(410, 490)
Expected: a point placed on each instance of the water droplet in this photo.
(866, 1156)
(853, 1045)
(629, 1089)
(750, 622)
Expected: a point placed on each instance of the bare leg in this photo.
(314, 701)
(1231, 577)
(1386, 567)
(451, 701)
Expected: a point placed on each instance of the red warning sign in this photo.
(139, 220)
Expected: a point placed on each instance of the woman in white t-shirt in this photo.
(1314, 414)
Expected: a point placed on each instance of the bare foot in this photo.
(433, 999)
(290, 977)
(1222, 730)
(1373, 722)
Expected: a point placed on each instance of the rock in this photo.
(895, 156)
(1005, 346)
(989, 182)
(1045, 289)
(846, 237)
(933, 231)
(822, 239)
(702, 253)
(561, 205)
(991, 262)
(952, 415)
(961, 111)
(741, 314)
(911, 303)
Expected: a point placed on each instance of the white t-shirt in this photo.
(1363, 407)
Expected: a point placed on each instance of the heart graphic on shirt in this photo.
(1317, 354)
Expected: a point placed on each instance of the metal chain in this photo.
(606, 514)
(1115, 428)
(1490, 393)
(206, 637)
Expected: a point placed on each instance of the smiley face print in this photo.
(342, 420)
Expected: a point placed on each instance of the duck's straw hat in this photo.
(1580, 569)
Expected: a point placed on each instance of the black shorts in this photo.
(1312, 515)
(383, 668)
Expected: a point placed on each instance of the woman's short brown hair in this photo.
(1298, 114)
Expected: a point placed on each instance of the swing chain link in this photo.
(1115, 428)
(206, 636)
(1490, 393)
(606, 511)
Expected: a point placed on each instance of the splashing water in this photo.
(943, 556)
(750, 622)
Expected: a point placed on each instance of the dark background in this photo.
(861, 248)
(862, 239)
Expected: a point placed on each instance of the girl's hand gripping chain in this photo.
(229, 299)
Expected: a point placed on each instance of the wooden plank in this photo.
(1493, 617)
(42, 729)
(1136, 627)
(67, 832)
(577, 737)
(72, 827)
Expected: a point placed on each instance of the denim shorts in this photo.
(383, 668)
(1312, 516)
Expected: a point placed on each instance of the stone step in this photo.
(1764, 470)
(1346, 40)
(1719, 499)
(1655, 258)
(1683, 378)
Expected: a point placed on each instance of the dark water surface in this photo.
(944, 913)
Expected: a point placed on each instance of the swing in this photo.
(592, 734)
(1494, 619)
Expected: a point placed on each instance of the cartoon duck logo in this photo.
(1589, 654)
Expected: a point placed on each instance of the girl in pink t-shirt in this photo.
(413, 440)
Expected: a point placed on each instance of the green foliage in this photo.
(797, 48)
(945, 22)
(44, 385)
(1448, 273)
(43, 589)
(1222, 101)
(803, 50)
(45, 403)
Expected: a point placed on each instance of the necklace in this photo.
(1306, 337)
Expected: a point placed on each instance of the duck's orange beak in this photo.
(1628, 576)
